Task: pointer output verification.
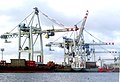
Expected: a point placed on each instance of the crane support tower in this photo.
(28, 31)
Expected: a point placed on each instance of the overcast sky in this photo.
(103, 20)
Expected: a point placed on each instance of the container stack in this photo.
(18, 62)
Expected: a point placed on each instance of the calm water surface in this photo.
(59, 77)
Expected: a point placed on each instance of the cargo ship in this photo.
(23, 66)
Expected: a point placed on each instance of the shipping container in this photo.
(30, 63)
(50, 64)
(39, 63)
(90, 64)
(18, 62)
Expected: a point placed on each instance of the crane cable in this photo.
(52, 20)
(21, 22)
(97, 39)
(93, 36)
(59, 37)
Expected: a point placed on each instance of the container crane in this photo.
(73, 51)
(28, 31)
(72, 47)
(68, 44)
(115, 64)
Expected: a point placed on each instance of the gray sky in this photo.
(102, 22)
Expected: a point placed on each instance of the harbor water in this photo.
(59, 77)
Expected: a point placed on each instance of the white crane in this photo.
(73, 51)
(28, 31)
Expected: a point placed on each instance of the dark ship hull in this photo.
(23, 66)
(37, 69)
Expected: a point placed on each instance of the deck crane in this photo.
(30, 30)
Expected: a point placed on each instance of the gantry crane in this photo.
(27, 31)
(76, 50)
(68, 46)
(115, 60)
(73, 48)
(30, 30)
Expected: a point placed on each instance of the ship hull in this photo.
(5, 69)
(24, 69)
(92, 70)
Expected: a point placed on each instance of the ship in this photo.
(76, 51)
(109, 67)
(23, 66)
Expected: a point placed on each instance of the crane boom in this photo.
(8, 35)
(82, 27)
(62, 44)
